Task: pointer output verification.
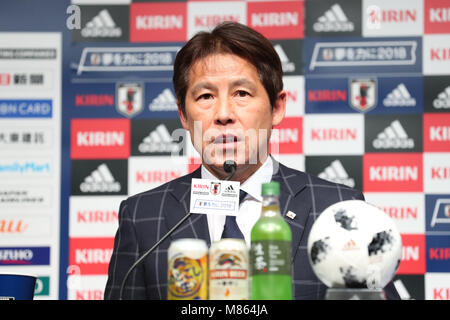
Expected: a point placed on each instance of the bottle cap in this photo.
(271, 189)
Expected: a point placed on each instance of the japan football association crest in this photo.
(363, 94)
(215, 188)
(129, 98)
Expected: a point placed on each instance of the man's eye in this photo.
(205, 96)
(242, 93)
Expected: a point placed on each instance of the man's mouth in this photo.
(226, 138)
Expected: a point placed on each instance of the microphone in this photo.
(230, 167)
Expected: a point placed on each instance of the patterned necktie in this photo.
(231, 229)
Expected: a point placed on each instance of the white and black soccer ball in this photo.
(354, 244)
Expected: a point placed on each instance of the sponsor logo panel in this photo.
(99, 177)
(143, 177)
(437, 93)
(438, 253)
(410, 287)
(392, 172)
(287, 137)
(158, 22)
(42, 288)
(25, 135)
(374, 95)
(294, 161)
(24, 256)
(26, 79)
(193, 164)
(101, 96)
(328, 95)
(436, 172)
(291, 55)
(129, 98)
(13, 196)
(413, 254)
(277, 20)
(436, 54)
(324, 134)
(160, 97)
(126, 59)
(28, 53)
(33, 167)
(204, 16)
(438, 214)
(393, 133)
(94, 216)
(295, 93)
(392, 18)
(163, 137)
(345, 170)
(373, 55)
(363, 93)
(436, 129)
(407, 209)
(103, 23)
(25, 226)
(104, 1)
(87, 287)
(437, 286)
(91, 255)
(401, 94)
(437, 16)
(26, 108)
(100, 138)
(333, 18)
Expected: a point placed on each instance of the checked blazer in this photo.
(146, 217)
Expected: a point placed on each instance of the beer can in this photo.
(228, 275)
(188, 270)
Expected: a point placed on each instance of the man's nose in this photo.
(224, 112)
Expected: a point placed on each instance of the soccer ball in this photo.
(353, 244)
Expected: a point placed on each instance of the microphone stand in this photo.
(230, 167)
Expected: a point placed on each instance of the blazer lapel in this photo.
(294, 198)
(197, 224)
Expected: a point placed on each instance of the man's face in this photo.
(228, 112)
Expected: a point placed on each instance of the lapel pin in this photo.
(291, 215)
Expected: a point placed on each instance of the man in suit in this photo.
(228, 84)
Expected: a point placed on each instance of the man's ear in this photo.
(279, 108)
(183, 119)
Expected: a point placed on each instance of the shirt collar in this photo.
(253, 184)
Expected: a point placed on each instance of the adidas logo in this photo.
(335, 172)
(443, 99)
(159, 140)
(350, 245)
(229, 192)
(394, 136)
(333, 20)
(399, 97)
(229, 188)
(100, 180)
(287, 65)
(101, 26)
(165, 101)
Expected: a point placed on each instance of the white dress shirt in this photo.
(250, 208)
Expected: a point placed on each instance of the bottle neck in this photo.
(270, 206)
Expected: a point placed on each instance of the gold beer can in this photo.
(188, 270)
(228, 275)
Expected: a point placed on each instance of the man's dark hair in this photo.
(233, 38)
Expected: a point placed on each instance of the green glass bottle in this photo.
(270, 251)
